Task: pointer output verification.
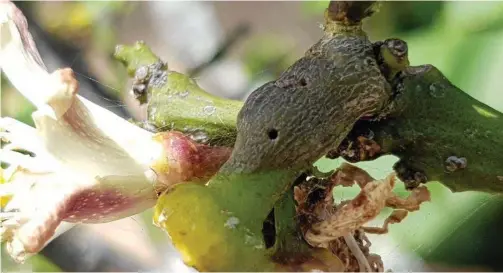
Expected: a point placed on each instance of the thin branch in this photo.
(230, 41)
(350, 12)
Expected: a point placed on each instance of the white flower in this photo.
(90, 165)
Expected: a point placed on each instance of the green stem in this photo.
(440, 133)
(176, 102)
(290, 244)
(182, 105)
(253, 194)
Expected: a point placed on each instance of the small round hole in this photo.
(303, 82)
(273, 134)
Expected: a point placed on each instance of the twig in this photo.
(350, 12)
(230, 41)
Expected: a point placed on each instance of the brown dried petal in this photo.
(347, 175)
(349, 217)
(413, 201)
(396, 217)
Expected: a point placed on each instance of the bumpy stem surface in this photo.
(440, 133)
(433, 123)
(274, 143)
(283, 127)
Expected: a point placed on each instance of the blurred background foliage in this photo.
(454, 232)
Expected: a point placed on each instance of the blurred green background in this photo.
(454, 232)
